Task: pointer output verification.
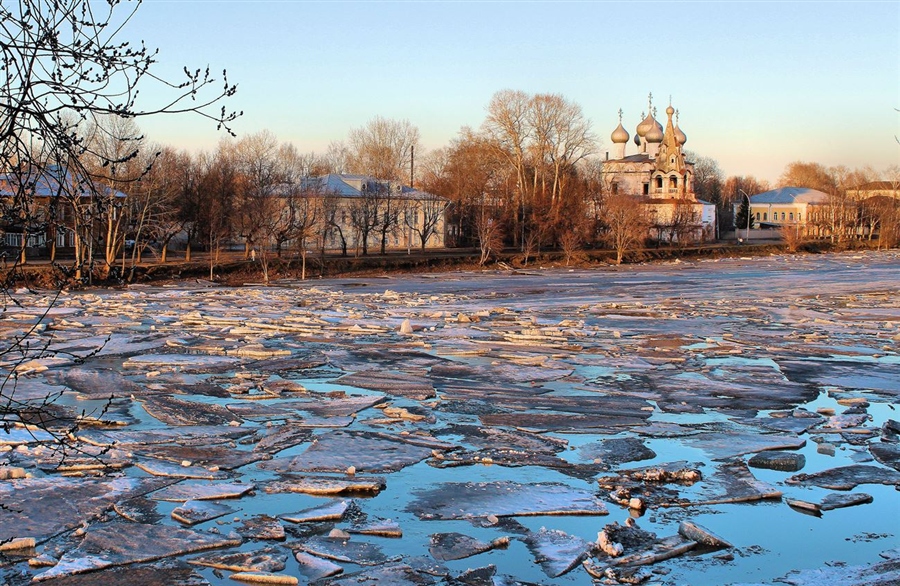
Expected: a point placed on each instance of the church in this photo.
(660, 176)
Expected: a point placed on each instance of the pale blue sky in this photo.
(758, 84)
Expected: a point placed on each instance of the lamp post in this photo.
(747, 234)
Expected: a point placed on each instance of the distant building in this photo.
(349, 202)
(660, 175)
(47, 209)
(787, 206)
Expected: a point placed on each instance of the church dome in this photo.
(645, 126)
(655, 133)
(620, 135)
(680, 136)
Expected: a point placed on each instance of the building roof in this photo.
(52, 181)
(789, 195)
(346, 185)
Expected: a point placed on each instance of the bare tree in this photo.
(625, 223)
(424, 214)
(334, 221)
(261, 175)
(383, 148)
(810, 175)
(490, 234)
(388, 206)
(364, 217)
(507, 127)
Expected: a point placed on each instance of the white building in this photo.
(659, 173)
(350, 203)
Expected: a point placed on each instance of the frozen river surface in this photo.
(717, 422)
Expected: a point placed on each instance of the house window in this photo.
(792, 216)
(757, 216)
(782, 216)
(765, 216)
(798, 216)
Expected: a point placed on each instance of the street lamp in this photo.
(747, 234)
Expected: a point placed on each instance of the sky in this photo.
(758, 85)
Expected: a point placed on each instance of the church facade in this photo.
(660, 176)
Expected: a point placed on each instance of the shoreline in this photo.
(235, 270)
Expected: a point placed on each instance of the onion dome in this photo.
(620, 135)
(644, 126)
(655, 134)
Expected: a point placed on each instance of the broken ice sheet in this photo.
(315, 568)
(503, 499)
(375, 526)
(191, 363)
(194, 512)
(848, 477)
(138, 510)
(339, 450)
(342, 550)
(395, 383)
(268, 559)
(206, 456)
(330, 511)
(394, 574)
(731, 482)
(496, 438)
(556, 551)
(161, 468)
(202, 492)
(116, 544)
(832, 501)
(282, 437)
(456, 546)
(886, 453)
(172, 411)
(341, 406)
(615, 451)
(509, 373)
(184, 436)
(261, 528)
(44, 507)
(165, 573)
(728, 444)
(327, 485)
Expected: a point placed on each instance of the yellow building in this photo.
(786, 206)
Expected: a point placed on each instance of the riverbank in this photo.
(234, 269)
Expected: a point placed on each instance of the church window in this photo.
(673, 182)
(646, 189)
(673, 160)
(659, 184)
(615, 188)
